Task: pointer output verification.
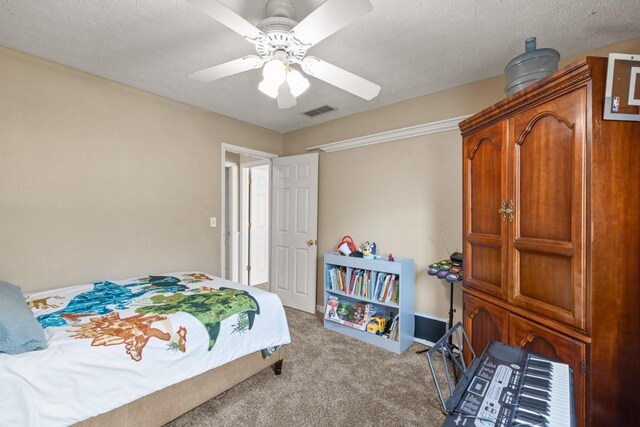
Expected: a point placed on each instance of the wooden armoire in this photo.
(551, 197)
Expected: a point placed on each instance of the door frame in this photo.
(245, 197)
(224, 148)
(233, 221)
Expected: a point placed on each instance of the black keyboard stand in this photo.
(445, 348)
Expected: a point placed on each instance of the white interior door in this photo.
(294, 227)
(259, 231)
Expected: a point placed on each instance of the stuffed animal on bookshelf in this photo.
(369, 250)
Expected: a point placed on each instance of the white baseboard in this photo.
(424, 342)
(440, 319)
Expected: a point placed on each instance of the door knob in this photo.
(311, 242)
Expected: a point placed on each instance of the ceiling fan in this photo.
(282, 43)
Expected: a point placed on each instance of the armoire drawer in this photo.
(546, 342)
(484, 322)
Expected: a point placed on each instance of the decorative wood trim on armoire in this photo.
(551, 229)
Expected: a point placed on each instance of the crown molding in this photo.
(392, 135)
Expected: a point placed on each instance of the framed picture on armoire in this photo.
(622, 95)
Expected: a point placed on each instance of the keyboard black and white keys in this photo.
(546, 396)
(508, 386)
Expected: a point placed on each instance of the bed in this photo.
(140, 351)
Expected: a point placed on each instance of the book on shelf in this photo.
(354, 314)
(335, 278)
(387, 288)
(359, 283)
(395, 328)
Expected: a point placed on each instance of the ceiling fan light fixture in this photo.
(274, 73)
(285, 97)
(280, 41)
(268, 89)
(297, 83)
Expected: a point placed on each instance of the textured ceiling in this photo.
(409, 47)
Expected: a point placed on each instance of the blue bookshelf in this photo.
(404, 269)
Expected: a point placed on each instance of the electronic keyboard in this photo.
(508, 386)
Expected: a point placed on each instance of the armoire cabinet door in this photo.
(484, 191)
(545, 342)
(547, 149)
(483, 322)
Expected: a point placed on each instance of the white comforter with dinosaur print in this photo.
(110, 343)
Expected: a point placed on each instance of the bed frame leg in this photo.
(277, 367)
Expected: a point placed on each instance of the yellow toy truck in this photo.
(377, 324)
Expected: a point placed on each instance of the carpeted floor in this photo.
(328, 379)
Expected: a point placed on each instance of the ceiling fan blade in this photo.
(341, 78)
(227, 17)
(219, 71)
(285, 97)
(330, 17)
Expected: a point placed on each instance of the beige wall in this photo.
(248, 159)
(99, 180)
(402, 194)
(102, 181)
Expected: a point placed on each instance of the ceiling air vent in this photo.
(320, 110)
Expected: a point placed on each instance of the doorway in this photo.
(284, 223)
(246, 197)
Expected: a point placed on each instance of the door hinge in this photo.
(249, 225)
(250, 181)
(248, 268)
(584, 367)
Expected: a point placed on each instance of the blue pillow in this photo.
(19, 330)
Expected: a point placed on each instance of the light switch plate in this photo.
(213, 222)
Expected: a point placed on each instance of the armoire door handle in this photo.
(503, 210)
(506, 211)
(510, 211)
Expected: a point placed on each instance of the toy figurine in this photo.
(358, 316)
(369, 250)
(333, 304)
(342, 311)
